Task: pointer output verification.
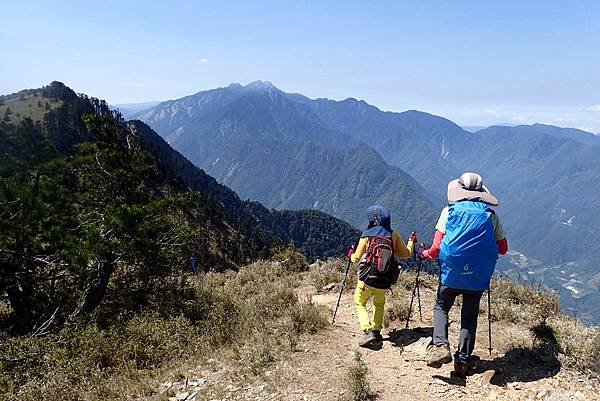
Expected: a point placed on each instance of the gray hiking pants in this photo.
(468, 318)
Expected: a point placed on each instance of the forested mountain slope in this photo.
(268, 146)
(92, 206)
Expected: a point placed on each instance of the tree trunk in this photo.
(96, 289)
(22, 303)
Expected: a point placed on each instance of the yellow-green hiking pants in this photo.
(361, 297)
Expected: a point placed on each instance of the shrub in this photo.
(247, 312)
(519, 302)
(332, 271)
(396, 306)
(291, 259)
(579, 345)
(357, 383)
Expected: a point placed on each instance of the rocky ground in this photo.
(396, 371)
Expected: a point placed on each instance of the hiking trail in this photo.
(397, 371)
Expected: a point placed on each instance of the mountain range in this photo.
(287, 150)
(269, 146)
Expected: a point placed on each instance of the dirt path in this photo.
(397, 371)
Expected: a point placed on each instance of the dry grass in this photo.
(32, 106)
(521, 302)
(579, 345)
(332, 271)
(537, 324)
(357, 387)
(396, 306)
(254, 314)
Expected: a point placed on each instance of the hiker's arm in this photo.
(400, 249)
(434, 251)
(502, 246)
(360, 250)
(500, 236)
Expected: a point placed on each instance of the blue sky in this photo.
(475, 62)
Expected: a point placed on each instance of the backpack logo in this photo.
(466, 272)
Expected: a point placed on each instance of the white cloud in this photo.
(520, 119)
(595, 107)
(493, 112)
(563, 120)
(203, 61)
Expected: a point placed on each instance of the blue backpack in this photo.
(469, 250)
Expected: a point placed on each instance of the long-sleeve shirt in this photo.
(401, 250)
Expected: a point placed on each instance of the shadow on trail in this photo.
(404, 337)
(520, 365)
(454, 380)
(523, 364)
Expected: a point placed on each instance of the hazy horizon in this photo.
(475, 64)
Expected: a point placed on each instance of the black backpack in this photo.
(379, 268)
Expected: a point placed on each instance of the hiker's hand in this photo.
(413, 237)
(421, 253)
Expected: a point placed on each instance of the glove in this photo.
(413, 237)
(420, 252)
(350, 251)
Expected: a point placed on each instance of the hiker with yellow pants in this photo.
(377, 253)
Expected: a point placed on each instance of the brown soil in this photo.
(397, 371)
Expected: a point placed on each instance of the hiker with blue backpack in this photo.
(378, 251)
(468, 238)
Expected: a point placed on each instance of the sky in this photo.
(474, 62)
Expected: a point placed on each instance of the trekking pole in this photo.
(418, 263)
(412, 298)
(341, 290)
(419, 291)
(489, 321)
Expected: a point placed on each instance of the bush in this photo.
(579, 345)
(519, 302)
(357, 384)
(332, 271)
(248, 312)
(554, 338)
(291, 259)
(396, 306)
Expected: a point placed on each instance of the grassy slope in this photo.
(31, 105)
(239, 330)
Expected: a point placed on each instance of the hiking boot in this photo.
(368, 339)
(378, 336)
(461, 367)
(437, 355)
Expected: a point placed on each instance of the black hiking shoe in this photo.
(368, 340)
(437, 355)
(461, 366)
(378, 336)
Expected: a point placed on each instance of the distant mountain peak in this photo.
(262, 85)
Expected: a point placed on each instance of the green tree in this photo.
(34, 220)
(123, 222)
(7, 114)
(71, 227)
